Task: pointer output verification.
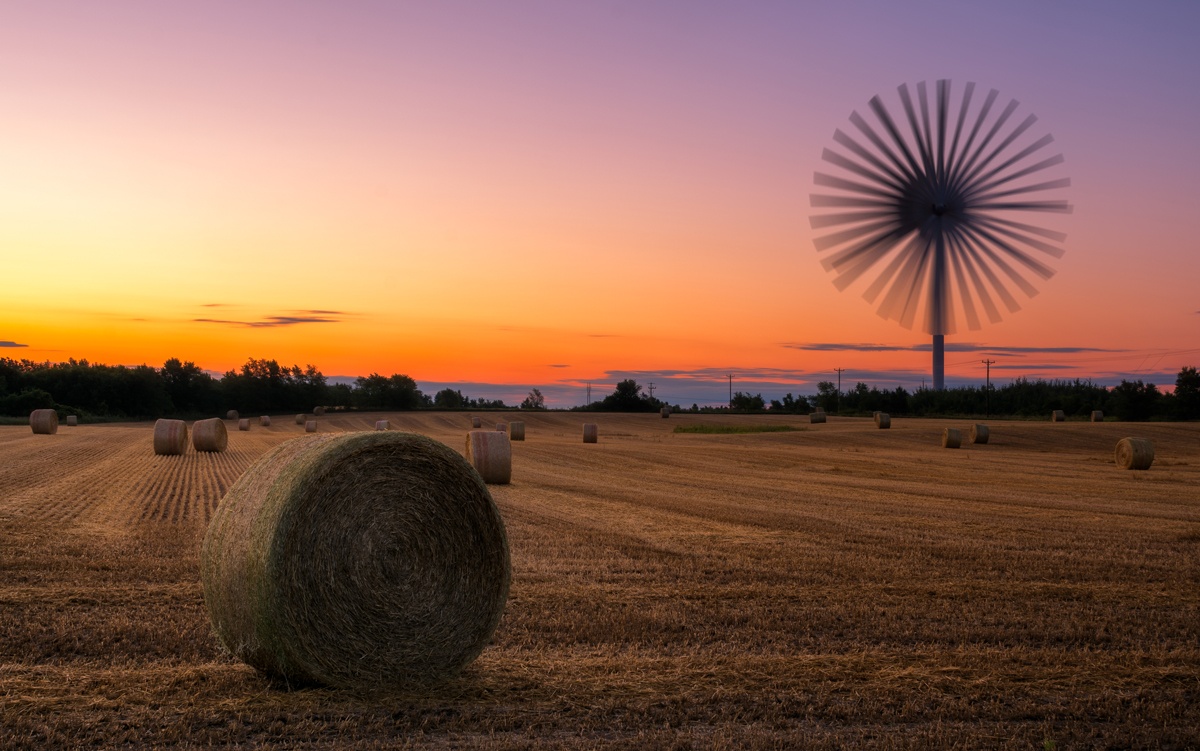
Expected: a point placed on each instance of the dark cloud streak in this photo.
(12, 344)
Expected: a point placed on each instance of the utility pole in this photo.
(651, 387)
(730, 377)
(838, 409)
(589, 394)
(987, 394)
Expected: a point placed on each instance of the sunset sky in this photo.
(501, 196)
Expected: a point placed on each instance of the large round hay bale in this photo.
(43, 421)
(1058, 416)
(1134, 453)
(368, 561)
(590, 432)
(816, 417)
(476, 422)
(883, 420)
(72, 420)
(244, 423)
(382, 425)
(318, 411)
(490, 453)
(1097, 416)
(301, 419)
(502, 427)
(516, 431)
(170, 437)
(265, 421)
(310, 426)
(951, 438)
(209, 435)
(665, 412)
(231, 414)
(979, 433)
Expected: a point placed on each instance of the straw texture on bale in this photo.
(1058, 416)
(590, 432)
(310, 426)
(43, 421)
(72, 420)
(476, 422)
(209, 435)
(1134, 453)
(301, 419)
(231, 414)
(244, 423)
(1097, 416)
(502, 427)
(883, 420)
(665, 412)
(979, 433)
(490, 453)
(265, 421)
(816, 417)
(318, 411)
(516, 431)
(366, 561)
(382, 425)
(170, 437)
(951, 438)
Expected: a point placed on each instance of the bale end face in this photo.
(979, 433)
(170, 437)
(244, 423)
(318, 411)
(265, 421)
(1058, 416)
(382, 425)
(310, 426)
(665, 412)
(210, 435)
(816, 418)
(43, 421)
(951, 438)
(301, 419)
(490, 453)
(516, 431)
(231, 414)
(72, 420)
(1097, 416)
(476, 423)
(1134, 453)
(591, 432)
(883, 420)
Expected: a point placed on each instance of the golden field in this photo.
(837, 586)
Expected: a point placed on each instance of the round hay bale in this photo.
(265, 421)
(1097, 416)
(816, 417)
(476, 422)
(301, 419)
(665, 412)
(883, 420)
(490, 453)
(951, 438)
(382, 425)
(170, 437)
(43, 421)
(590, 432)
(502, 427)
(1134, 453)
(210, 435)
(516, 431)
(72, 420)
(318, 411)
(310, 426)
(231, 414)
(367, 561)
(244, 423)
(979, 433)
(1058, 416)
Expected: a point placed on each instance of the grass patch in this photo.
(731, 429)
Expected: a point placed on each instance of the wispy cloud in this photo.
(272, 321)
(12, 344)
(950, 347)
(558, 365)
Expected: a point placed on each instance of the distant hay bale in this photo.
(301, 419)
(44, 421)
(516, 431)
(210, 435)
(265, 421)
(364, 561)
(816, 417)
(979, 433)
(1097, 416)
(231, 414)
(502, 427)
(883, 420)
(665, 412)
(318, 411)
(476, 422)
(490, 453)
(310, 426)
(590, 432)
(951, 438)
(244, 423)
(382, 425)
(170, 437)
(1058, 416)
(72, 420)
(1134, 453)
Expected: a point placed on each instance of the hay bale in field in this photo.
(1097, 416)
(979, 433)
(490, 453)
(310, 426)
(318, 411)
(951, 438)
(883, 420)
(816, 418)
(301, 419)
(231, 414)
(1134, 453)
(367, 561)
(43, 421)
(1058, 416)
(665, 412)
(72, 420)
(265, 421)
(476, 422)
(382, 425)
(244, 423)
(170, 437)
(590, 432)
(516, 431)
(210, 435)
(502, 427)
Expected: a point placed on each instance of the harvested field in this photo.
(832, 586)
